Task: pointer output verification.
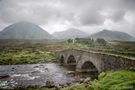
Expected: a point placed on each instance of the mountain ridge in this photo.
(113, 35)
(24, 30)
(70, 33)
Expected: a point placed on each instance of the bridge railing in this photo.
(95, 52)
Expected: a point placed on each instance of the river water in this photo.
(37, 75)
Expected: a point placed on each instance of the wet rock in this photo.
(69, 83)
(35, 71)
(81, 80)
(36, 67)
(42, 66)
(77, 79)
(70, 73)
(87, 80)
(50, 84)
(4, 76)
(132, 69)
(13, 68)
(46, 69)
(61, 85)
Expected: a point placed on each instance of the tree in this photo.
(70, 41)
(101, 42)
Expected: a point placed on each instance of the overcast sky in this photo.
(57, 15)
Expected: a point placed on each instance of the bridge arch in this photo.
(88, 66)
(71, 59)
(88, 63)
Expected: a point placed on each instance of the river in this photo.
(37, 75)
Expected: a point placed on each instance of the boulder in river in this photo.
(81, 80)
(69, 83)
(50, 84)
(70, 73)
(36, 67)
(4, 76)
(35, 71)
(87, 80)
(46, 69)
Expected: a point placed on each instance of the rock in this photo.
(70, 73)
(132, 69)
(61, 85)
(81, 80)
(87, 80)
(77, 79)
(13, 68)
(35, 71)
(46, 69)
(50, 84)
(41, 65)
(69, 83)
(36, 67)
(4, 76)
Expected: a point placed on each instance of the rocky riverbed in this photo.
(47, 74)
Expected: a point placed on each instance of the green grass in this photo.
(26, 53)
(25, 57)
(118, 80)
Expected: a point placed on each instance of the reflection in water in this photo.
(38, 74)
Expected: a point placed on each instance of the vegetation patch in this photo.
(115, 80)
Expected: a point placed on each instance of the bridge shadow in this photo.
(89, 67)
(62, 60)
(71, 60)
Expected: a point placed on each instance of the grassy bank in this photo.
(21, 52)
(118, 80)
(25, 57)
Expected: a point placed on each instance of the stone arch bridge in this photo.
(85, 61)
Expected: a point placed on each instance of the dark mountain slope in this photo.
(113, 35)
(24, 30)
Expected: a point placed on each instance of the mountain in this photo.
(70, 34)
(24, 30)
(113, 35)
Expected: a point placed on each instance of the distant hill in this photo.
(70, 34)
(113, 35)
(24, 30)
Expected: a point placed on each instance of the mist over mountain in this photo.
(70, 34)
(24, 30)
(113, 35)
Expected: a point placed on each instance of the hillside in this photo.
(113, 35)
(70, 34)
(24, 30)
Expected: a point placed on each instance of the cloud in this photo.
(56, 15)
(91, 18)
